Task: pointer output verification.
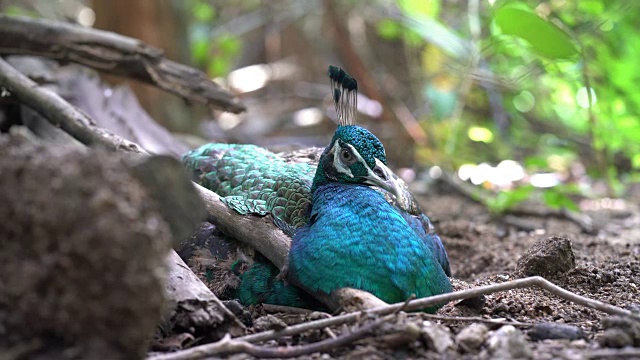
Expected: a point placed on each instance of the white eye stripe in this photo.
(337, 164)
(343, 168)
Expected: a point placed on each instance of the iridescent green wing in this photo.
(253, 180)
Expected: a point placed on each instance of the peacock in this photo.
(316, 197)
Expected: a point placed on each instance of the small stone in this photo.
(620, 324)
(437, 337)
(543, 331)
(548, 256)
(269, 322)
(472, 337)
(474, 303)
(509, 343)
(579, 344)
(615, 338)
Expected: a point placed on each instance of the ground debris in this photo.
(437, 337)
(546, 330)
(509, 343)
(607, 270)
(471, 338)
(620, 332)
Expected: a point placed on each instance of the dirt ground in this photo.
(485, 250)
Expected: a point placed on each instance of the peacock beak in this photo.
(382, 177)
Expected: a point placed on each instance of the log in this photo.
(114, 54)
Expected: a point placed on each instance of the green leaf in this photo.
(229, 45)
(389, 29)
(509, 198)
(546, 38)
(429, 8)
(557, 200)
(200, 51)
(218, 66)
(203, 12)
(635, 161)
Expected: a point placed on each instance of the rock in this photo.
(437, 337)
(167, 181)
(547, 257)
(509, 343)
(474, 303)
(620, 331)
(268, 322)
(82, 254)
(472, 337)
(615, 338)
(543, 331)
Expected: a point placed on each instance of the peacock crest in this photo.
(345, 95)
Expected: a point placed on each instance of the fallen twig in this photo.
(626, 353)
(112, 53)
(475, 319)
(270, 308)
(444, 298)
(51, 106)
(228, 346)
(534, 281)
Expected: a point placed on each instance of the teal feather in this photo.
(253, 180)
(261, 284)
(390, 261)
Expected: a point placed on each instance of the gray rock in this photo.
(82, 254)
(509, 343)
(543, 331)
(472, 337)
(437, 337)
(620, 332)
(548, 256)
(269, 322)
(615, 338)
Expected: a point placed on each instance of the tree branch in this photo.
(534, 281)
(112, 53)
(51, 106)
(229, 346)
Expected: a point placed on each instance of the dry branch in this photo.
(59, 112)
(534, 281)
(229, 346)
(111, 53)
(186, 292)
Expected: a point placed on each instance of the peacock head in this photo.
(354, 155)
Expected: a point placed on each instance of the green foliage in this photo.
(509, 198)
(15, 10)
(558, 197)
(564, 73)
(545, 38)
(216, 55)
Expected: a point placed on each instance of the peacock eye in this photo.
(346, 156)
